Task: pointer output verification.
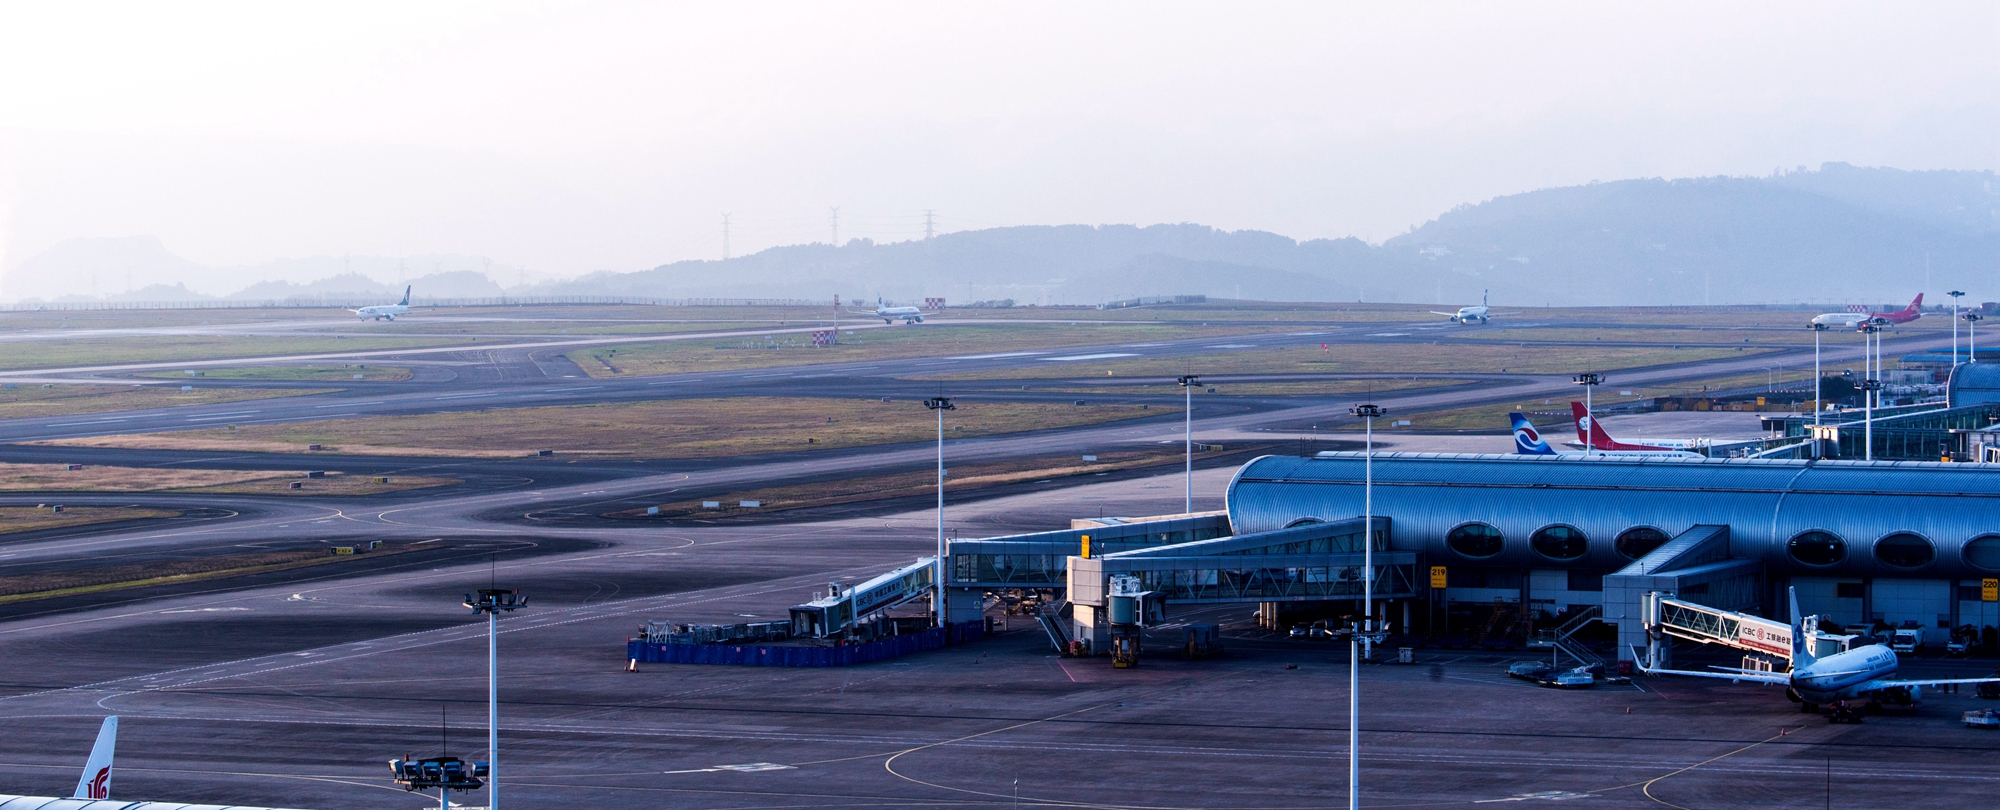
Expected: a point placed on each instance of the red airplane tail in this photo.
(1592, 434)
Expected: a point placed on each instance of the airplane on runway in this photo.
(1470, 314)
(888, 313)
(390, 311)
(1529, 442)
(1854, 320)
(93, 790)
(1863, 673)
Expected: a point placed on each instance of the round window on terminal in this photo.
(1639, 541)
(1559, 542)
(1817, 548)
(1983, 553)
(1475, 540)
(1905, 550)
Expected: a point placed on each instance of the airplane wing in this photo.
(1498, 314)
(1753, 676)
(1894, 683)
(1446, 314)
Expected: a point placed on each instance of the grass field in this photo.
(699, 428)
(1433, 358)
(56, 478)
(929, 340)
(28, 401)
(359, 372)
(1493, 418)
(35, 518)
(50, 584)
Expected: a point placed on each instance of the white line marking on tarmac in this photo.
(995, 356)
(91, 422)
(1104, 356)
(350, 404)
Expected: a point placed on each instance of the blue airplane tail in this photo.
(1528, 440)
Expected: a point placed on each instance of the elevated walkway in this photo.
(1039, 560)
(1676, 618)
(845, 608)
(1317, 561)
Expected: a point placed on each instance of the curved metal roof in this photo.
(1973, 384)
(1764, 502)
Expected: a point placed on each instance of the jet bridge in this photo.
(844, 608)
(1666, 617)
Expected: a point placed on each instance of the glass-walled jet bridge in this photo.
(1178, 560)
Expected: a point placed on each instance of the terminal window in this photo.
(1850, 590)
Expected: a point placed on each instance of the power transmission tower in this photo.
(725, 237)
(929, 229)
(836, 225)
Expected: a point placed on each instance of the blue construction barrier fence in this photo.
(771, 655)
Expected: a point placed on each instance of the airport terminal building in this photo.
(1863, 542)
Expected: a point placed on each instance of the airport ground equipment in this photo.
(1203, 641)
(845, 607)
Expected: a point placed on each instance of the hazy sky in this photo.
(569, 137)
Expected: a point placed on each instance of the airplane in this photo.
(1592, 436)
(1862, 673)
(1470, 314)
(888, 313)
(390, 311)
(1854, 320)
(1528, 442)
(93, 789)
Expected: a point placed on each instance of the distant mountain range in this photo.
(1837, 234)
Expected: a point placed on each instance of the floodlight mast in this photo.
(1589, 380)
(940, 405)
(1871, 335)
(1188, 382)
(1361, 639)
(1819, 404)
(1955, 295)
(493, 602)
(1972, 320)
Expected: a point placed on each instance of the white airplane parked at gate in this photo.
(390, 311)
(93, 790)
(1863, 673)
(1470, 314)
(888, 314)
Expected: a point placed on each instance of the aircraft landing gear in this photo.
(1844, 713)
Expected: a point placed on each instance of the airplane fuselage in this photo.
(381, 311)
(1845, 676)
(1470, 314)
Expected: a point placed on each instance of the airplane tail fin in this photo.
(1482, 297)
(1915, 304)
(1802, 632)
(96, 781)
(406, 298)
(1588, 431)
(1527, 440)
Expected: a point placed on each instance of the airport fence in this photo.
(774, 655)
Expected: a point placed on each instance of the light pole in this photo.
(1955, 295)
(1589, 380)
(1361, 641)
(1819, 404)
(493, 602)
(1188, 382)
(1869, 385)
(940, 404)
(1972, 320)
